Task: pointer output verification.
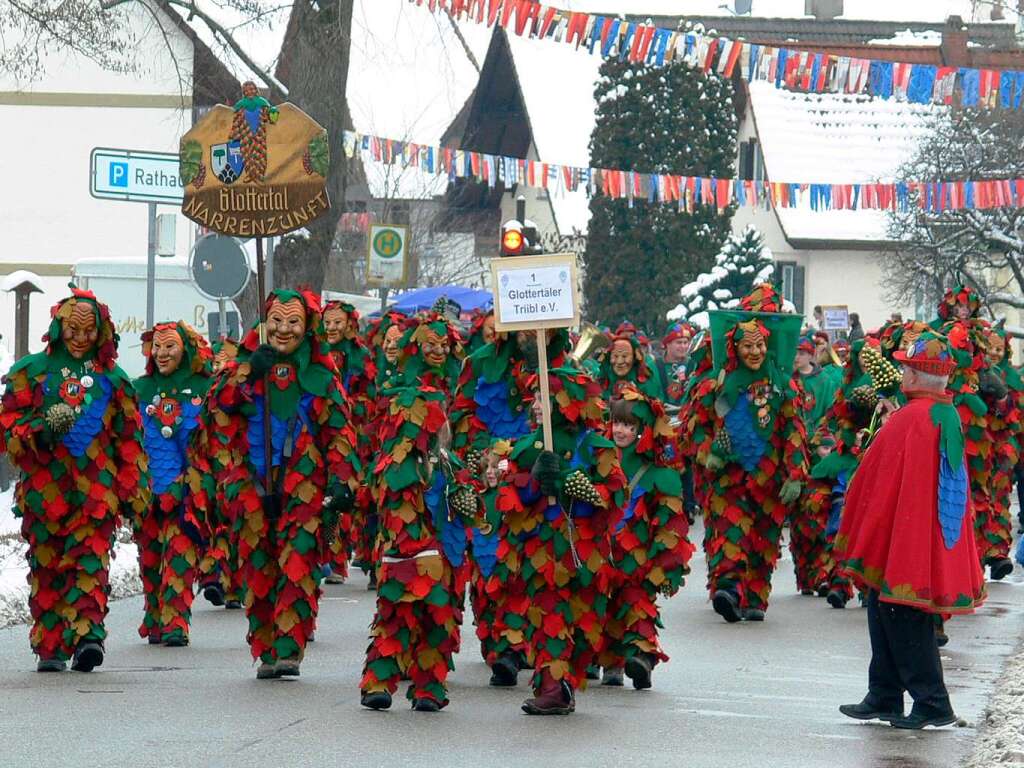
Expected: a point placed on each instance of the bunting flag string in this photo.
(686, 192)
(797, 70)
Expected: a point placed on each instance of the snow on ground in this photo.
(1001, 738)
(124, 567)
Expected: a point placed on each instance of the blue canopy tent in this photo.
(424, 298)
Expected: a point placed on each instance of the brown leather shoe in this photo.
(555, 697)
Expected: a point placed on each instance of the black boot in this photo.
(233, 605)
(214, 594)
(727, 605)
(88, 656)
(612, 676)
(425, 705)
(377, 700)
(638, 668)
(50, 665)
(836, 599)
(867, 710)
(505, 671)
(1000, 568)
(593, 672)
(922, 715)
(372, 583)
(753, 614)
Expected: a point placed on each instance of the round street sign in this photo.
(219, 267)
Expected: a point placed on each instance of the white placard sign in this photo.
(386, 255)
(535, 292)
(836, 318)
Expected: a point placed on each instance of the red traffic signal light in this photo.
(511, 242)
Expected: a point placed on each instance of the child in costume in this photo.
(71, 425)
(559, 508)
(650, 549)
(424, 500)
(492, 402)
(169, 536)
(284, 516)
(748, 435)
(219, 574)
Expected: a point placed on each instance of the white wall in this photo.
(49, 220)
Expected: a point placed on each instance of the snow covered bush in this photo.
(743, 262)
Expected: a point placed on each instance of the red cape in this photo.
(890, 539)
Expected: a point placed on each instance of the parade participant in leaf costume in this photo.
(383, 344)
(358, 371)
(906, 538)
(809, 520)
(650, 549)
(219, 573)
(625, 361)
(748, 434)
(493, 402)
(868, 381)
(978, 393)
(169, 537)
(71, 425)
(283, 518)
(424, 502)
(558, 510)
(673, 366)
(481, 330)
(995, 532)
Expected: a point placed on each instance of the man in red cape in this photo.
(907, 538)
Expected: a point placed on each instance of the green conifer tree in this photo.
(671, 119)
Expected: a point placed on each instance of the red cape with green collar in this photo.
(891, 537)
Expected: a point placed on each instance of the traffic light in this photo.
(519, 235)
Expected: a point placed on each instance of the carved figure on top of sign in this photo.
(253, 169)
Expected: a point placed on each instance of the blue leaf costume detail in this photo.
(630, 509)
(452, 533)
(90, 422)
(953, 492)
(167, 455)
(485, 551)
(278, 432)
(748, 446)
(495, 410)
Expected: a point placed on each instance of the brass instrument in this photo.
(591, 340)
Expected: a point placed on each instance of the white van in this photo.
(121, 285)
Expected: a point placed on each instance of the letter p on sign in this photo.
(119, 174)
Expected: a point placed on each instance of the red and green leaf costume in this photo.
(358, 371)
(492, 402)
(748, 426)
(558, 548)
(169, 536)
(281, 540)
(650, 547)
(73, 488)
(422, 537)
(642, 375)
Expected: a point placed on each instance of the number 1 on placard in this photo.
(533, 277)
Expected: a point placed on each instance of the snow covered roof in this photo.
(834, 139)
(557, 83)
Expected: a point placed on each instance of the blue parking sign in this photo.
(119, 174)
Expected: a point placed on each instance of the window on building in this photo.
(789, 276)
(751, 161)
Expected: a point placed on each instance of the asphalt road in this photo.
(732, 696)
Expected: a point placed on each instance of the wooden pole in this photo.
(545, 389)
(261, 285)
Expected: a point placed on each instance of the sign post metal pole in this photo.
(151, 268)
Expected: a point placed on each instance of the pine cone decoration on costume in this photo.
(474, 457)
(722, 444)
(864, 397)
(884, 374)
(329, 522)
(60, 418)
(462, 502)
(578, 486)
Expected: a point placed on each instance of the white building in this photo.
(50, 126)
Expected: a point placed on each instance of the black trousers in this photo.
(904, 657)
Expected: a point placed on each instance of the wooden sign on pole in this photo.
(535, 293)
(255, 170)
